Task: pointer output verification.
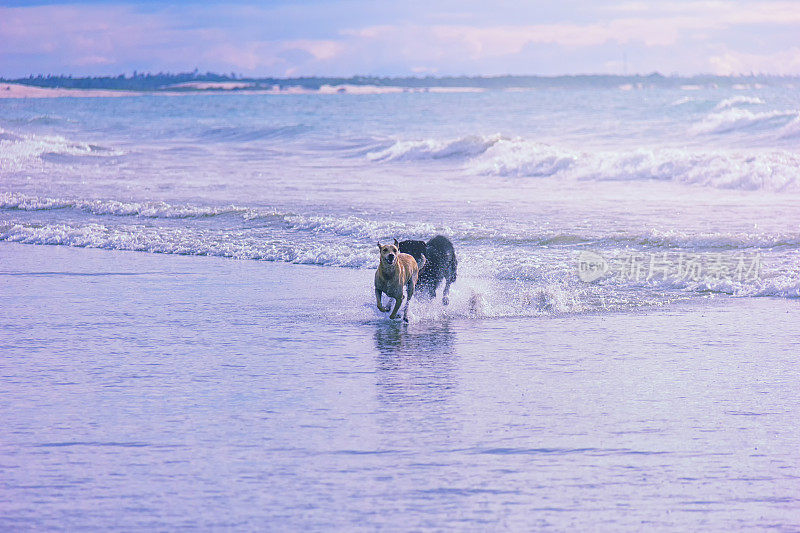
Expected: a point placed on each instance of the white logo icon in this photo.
(591, 266)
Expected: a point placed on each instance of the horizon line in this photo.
(238, 76)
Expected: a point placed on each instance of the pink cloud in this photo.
(785, 62)
(668, 35)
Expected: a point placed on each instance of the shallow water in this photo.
(167, 392)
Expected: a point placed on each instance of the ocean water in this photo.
(521, 181)
(197, 344)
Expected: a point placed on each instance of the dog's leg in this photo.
(410, 291)
(449, 278)
(446, 292)
(397, 303)
(380, 305)
(432, 286)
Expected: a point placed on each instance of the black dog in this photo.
(441, 264)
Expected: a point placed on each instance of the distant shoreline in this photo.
(17, 90)
(194, 82)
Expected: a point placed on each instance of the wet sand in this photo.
(147, 391)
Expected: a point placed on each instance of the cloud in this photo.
(55, 38)
(785, 62)
(320, 49)
(437, 36)
(275, 56)
(480, 42)
(714, 11)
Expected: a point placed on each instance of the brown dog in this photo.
(395, 272)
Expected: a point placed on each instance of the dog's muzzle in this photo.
(390, 259)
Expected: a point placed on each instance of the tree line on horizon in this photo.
(172, 81)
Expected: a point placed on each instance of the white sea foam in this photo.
(189, 241)
(742, 120)
(786, 288)
(714, 241)
(481, 298)
(739, 100)
(357, 227)
(782, 285)
(25, 202)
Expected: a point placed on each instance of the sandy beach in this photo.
(16, 90)
(206, 393)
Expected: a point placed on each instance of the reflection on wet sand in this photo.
(394, 338)
(416, 377)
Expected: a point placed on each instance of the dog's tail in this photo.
(422, 262)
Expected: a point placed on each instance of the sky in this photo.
(400, 38)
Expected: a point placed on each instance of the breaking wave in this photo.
(540, 280)
(497, 259)
(367, 230)
(23, 202)
(770, 170)
(738, 101)
(463, 147)
(733, 119)
(18, 150)
(764, 170)
(776, 282)
(252, 245)
(792, 129)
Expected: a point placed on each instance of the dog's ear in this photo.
(396, 243)
(379, 245)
